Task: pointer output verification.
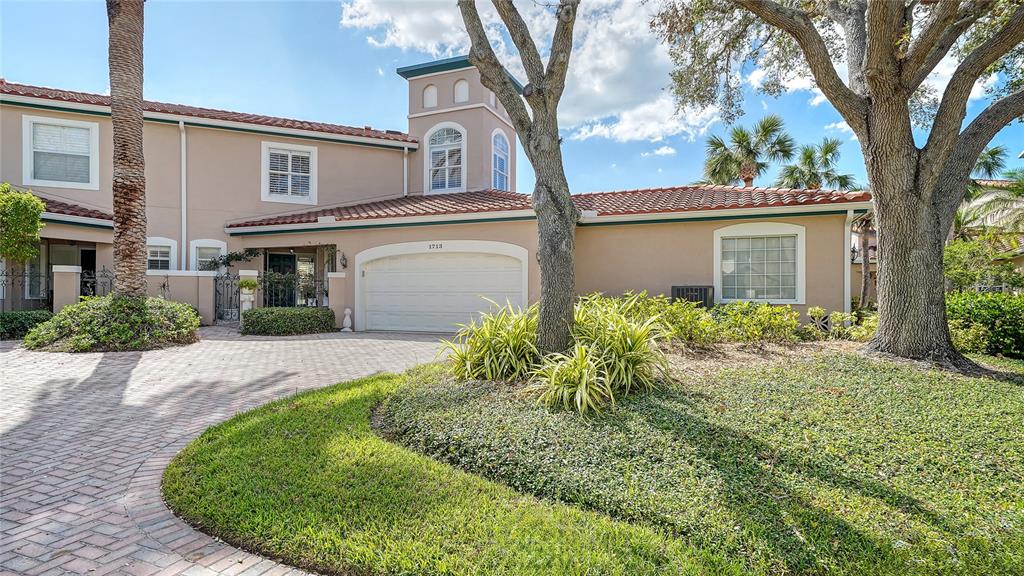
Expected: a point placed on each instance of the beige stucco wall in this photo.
(855, 277)
(58, 230)
(477, 117)
(196, 290)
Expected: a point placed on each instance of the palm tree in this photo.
(1004, 206)
(816, 166)
(989, 164)
(747, 153)
(125, 59)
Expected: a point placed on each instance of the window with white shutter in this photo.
(445, 157)
(499, 161)
(60, 153)
(289, 173)
(158, 258)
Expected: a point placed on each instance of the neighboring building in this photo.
(423, 222)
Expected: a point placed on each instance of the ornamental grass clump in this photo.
(500, 345)
(574, 380)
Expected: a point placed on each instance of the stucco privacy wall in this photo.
(610, 259)
(193, 288)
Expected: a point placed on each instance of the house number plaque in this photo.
(435, 246)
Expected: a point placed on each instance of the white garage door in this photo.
(433, 292)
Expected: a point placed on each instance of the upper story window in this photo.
(445, 157)
(499, 161)
(60, 153)
(289, 173)
(430, 96)
(761, 262)
(461, 91)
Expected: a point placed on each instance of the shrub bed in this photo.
(116, 324)
(835, 464)
(17, 323)
(287, 321)
(1002, 314)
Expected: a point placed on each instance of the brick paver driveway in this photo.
(84, 439)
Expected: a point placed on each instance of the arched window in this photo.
(446, 159)
(430, 96)
(499, 161)
(461, 91)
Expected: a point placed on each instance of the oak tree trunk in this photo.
(556, 249)
(129, 186)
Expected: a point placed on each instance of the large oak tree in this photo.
(888, 48)
(129, 187)
(538, 130)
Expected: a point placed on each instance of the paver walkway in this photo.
(84, 439)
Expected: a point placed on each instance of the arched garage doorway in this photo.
(434, 286)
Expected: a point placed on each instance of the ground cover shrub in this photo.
(1001, 313)
(969, 338)
(111, 323)
(15, 324)
(827, 464)
(274, 321)
(752, 323)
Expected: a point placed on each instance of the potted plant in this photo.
(248, 287)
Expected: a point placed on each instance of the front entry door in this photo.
(280, 292)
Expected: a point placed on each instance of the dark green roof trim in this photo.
(394, 225)
(45, 218)
(340, 140)
(446, 65)
(711, 218)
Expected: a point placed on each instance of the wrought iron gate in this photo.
(226, 298)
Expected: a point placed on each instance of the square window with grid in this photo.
(206, 257)
(289, 172)
(158, 258)
(759, 268)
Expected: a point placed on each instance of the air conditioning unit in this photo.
(703, 295)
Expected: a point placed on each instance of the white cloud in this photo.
(841, 127)
(943, 72)
(618, 72)
(380, 71)
(662, 151)
(652, 121)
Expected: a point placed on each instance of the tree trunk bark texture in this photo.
(129, 186)
(556, 249)
(912, 226)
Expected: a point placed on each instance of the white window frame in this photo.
(426, 157)
(195, 245)
(763, 229)
(508, 159)
(432, 90)
(265, 194)
(28, 157)
(162, 241)
(455, 91)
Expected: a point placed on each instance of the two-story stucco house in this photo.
(422, 223)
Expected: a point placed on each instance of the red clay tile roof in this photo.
(651, 201)
(208, 113)
(69, 209)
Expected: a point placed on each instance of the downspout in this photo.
(184, 196)
(847, 243)
(405, 171)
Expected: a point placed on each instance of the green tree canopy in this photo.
(815, 167)
(745, 156)
(20, 223)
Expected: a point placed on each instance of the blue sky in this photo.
(335, 62)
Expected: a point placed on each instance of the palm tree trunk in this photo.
(129, 186)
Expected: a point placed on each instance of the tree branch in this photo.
(973, 140)
(953, 108)
(884, 25)
(851, 17)
(561, 48)
(797, 24)
(520, 34)
(941, 32)
(492, 74)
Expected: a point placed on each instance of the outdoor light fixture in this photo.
(343, 261)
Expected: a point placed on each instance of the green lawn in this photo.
(838, 465)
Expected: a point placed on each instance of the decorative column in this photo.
(67, 286)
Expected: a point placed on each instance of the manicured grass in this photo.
(305, 479)
(834, 465)
(837, 465)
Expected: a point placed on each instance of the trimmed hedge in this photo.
(16, 324)
(1001, 313)
(287, 321)
(116, 324)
